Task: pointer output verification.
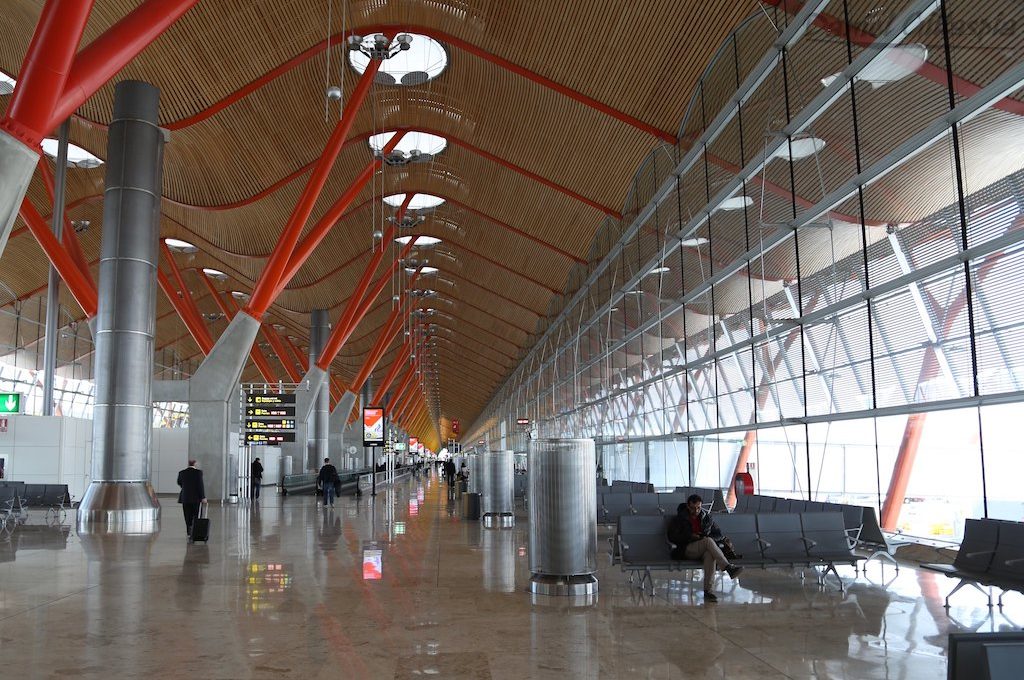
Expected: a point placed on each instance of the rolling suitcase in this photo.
(201, 526)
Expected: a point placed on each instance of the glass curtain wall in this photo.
(820, 279)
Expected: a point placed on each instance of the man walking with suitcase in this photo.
(192, 494)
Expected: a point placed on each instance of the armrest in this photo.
(763, 542)
(980, 552)
(810, 543)
(1012, 562)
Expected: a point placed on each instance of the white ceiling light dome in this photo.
(420, 59)
(891, 65)
(180, 246)
(423, 270)
(799, 148)
(421, 240)
(413, 147)
(77, 156)
(418, 201)
(215, 273)
(736, 203)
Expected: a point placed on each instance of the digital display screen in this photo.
(373, 426)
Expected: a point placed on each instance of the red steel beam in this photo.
(403, 385)
(69, 237)
(107, 55)
(195, 325)
(45, 70)
(82, 288)
(185, 298)
(396, 366)
(391, 29)
(255, 353)
(302, 358)
(276, 266)
(337, 210)
(391, 328)
(282, 353)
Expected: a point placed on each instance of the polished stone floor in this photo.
(400, 587)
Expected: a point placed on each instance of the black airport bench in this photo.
(766, 541)
(991, 555)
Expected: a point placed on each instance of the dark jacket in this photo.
(328, 475)
(681, 533)
(191, 482)
(257, 470)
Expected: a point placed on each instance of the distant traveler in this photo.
(192, 493)
(328, 480)
(256, 478)
(694, 534)
(464, 472)
(449, 472)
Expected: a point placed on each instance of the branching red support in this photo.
(396, 366)
(277, 265)
(391, 328)
(304, 249)
(282, 353)
(299, 356)
(69, 237)
(229, 311)
(112, 51)
(400, 391)
(44, 71)
(184, 297)
(193, 322)
(82, 288)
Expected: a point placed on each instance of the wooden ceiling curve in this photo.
(546, 119)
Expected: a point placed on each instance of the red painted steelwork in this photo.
(302, 358)
(333, 214)
(282, 353)
(403, 385)
(360, 301)
(266, 287)
(68, 237)
(45, 70)
(389, 377)
(185, 296)
(391, 29)
(391, 328)
(82, 288)
(195, 325)
(96, 64)
(255, 352)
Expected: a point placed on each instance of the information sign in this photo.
(270, 411)
(268, 399)
(10, 402)
(522, 421)
(268, 438)
(373, 426)
(270, 423)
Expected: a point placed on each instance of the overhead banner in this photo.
(373, 426)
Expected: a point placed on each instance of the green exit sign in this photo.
(10, 402)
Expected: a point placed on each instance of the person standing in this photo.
(328, 479)
(255, 478)
(192, 493)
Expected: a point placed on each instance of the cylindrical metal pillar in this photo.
(563, 517)
(53, 283)
(495, 470)
(120, 497)
(317, 428)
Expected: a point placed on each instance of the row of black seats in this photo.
(16, 495)
(763, 540)
(991, 554)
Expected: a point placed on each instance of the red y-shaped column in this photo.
(396, 366)
(255, 353)
(277, 265)
(82, 288)
(182, 301)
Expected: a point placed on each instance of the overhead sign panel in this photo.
(269, 411)
(270, 423)
(268, 438)
(269, 419)
(268, 399)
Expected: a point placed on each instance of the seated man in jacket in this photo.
(694, 534)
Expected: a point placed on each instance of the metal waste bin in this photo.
(563, 517)
(495, 472)
(471, 506)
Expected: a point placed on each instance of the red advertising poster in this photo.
(413, 443)
(373, 426)
(455, 426)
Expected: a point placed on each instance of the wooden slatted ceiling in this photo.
(251, 146)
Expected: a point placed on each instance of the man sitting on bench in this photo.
(694, 534)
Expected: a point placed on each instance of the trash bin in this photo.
(471, 506)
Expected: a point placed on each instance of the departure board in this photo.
(269, 419)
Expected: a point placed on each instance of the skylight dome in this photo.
(77, 156)
(736, 203)
(417, 147)
(421, 241)
(423, 270)
(802, 147)
(7, 84)
(179, 245)
(215, 273)
(424, 60)
(891, 65)
(418, 202)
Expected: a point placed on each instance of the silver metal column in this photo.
(495, 470)
(563, 517)
(53, 283)
(17, 164)
(317, 428)
(120, 497)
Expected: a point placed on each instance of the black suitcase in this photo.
(201, 526)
